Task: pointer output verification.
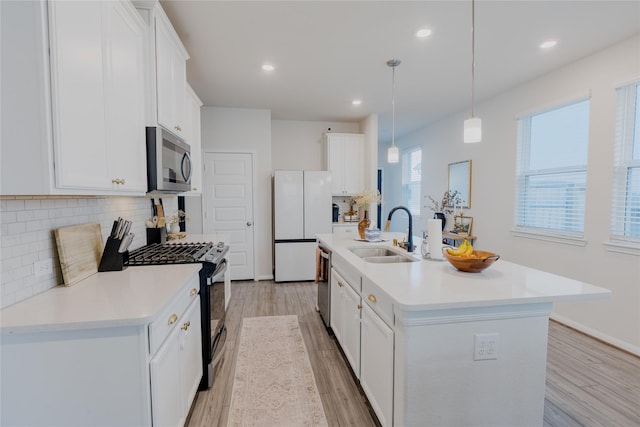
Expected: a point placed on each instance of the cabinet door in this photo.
(167, 408)
(78, 93)
(337, 310)
(335, 160)
(190, 353)
(126, 39)
(171, 75)
(354, 164)
(351, 344)
(376, 364)
(193, 138)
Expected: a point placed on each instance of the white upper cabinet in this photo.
(166, 71)
(171, 75)
(345, 161)
(97, 69)
(76, 125)
(193, 138)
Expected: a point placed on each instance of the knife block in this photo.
(112, 260)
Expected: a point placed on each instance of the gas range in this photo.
(212, 291)
(178, 253)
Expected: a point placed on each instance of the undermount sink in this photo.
(389, 259)
(381, 255)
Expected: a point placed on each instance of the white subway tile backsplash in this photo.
(8, 217)
(15, 205)
(26, 234)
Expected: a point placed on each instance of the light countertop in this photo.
(432, 284)
(133, 296)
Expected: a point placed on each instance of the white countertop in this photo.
(133, 296)
(431, 284)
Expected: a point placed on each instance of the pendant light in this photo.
(393, 154)
(473, 125)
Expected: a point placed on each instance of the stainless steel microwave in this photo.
(168, 162)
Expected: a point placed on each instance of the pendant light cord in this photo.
(473, 55)
(393, 105)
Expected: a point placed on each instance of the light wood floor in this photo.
(588, 383)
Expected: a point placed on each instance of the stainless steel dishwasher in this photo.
(324, 285)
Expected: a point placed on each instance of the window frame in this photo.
(627, 129)
(524, 172)
(407, 183)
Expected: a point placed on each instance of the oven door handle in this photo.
(219, 272)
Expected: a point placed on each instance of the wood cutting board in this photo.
(79, 249)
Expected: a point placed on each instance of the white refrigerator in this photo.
(301, 209)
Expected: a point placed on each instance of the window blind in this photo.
(551, 174)
(625, 207)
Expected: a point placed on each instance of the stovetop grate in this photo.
(177, 253)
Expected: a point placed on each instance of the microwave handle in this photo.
(186, 158)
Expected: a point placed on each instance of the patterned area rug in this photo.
(274, 383)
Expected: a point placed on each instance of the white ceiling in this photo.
(327, 53)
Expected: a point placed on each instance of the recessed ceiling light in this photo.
(356, 102)
(268, 67)
(548, 44)
(423, 32)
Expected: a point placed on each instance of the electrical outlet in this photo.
(486, 347)
(43, 268)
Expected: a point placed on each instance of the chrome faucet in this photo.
(410, 233)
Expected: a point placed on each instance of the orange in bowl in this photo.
(474, 263)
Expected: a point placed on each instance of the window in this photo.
(411, 178)
(625, 215)
(552, 170)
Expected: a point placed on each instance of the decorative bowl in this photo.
(473, 264)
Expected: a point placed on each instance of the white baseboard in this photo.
(597, 334)
(264, 277)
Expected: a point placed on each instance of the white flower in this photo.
(366, 198)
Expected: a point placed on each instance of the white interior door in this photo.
(228, 207)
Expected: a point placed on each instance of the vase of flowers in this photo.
(363, 201)
(175, 220)
(450, 199)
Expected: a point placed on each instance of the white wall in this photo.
(369, 127)
(297, 145)
(247, 131)
(616, 320)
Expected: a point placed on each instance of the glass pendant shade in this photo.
(393, 154)
(472, 130)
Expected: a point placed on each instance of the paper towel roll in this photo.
(434, 228)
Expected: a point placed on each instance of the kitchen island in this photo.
(432, 345)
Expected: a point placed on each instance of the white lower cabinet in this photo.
(351, 346)
(337, 312)
(367, 341)
(190, 355)
(165, 384)
(350, 229)
(116, 375)
(176, 369)
(376, 364)
(345, 319)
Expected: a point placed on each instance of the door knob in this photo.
(249, 223)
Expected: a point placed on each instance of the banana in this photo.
(468, 250)
(460, 250)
